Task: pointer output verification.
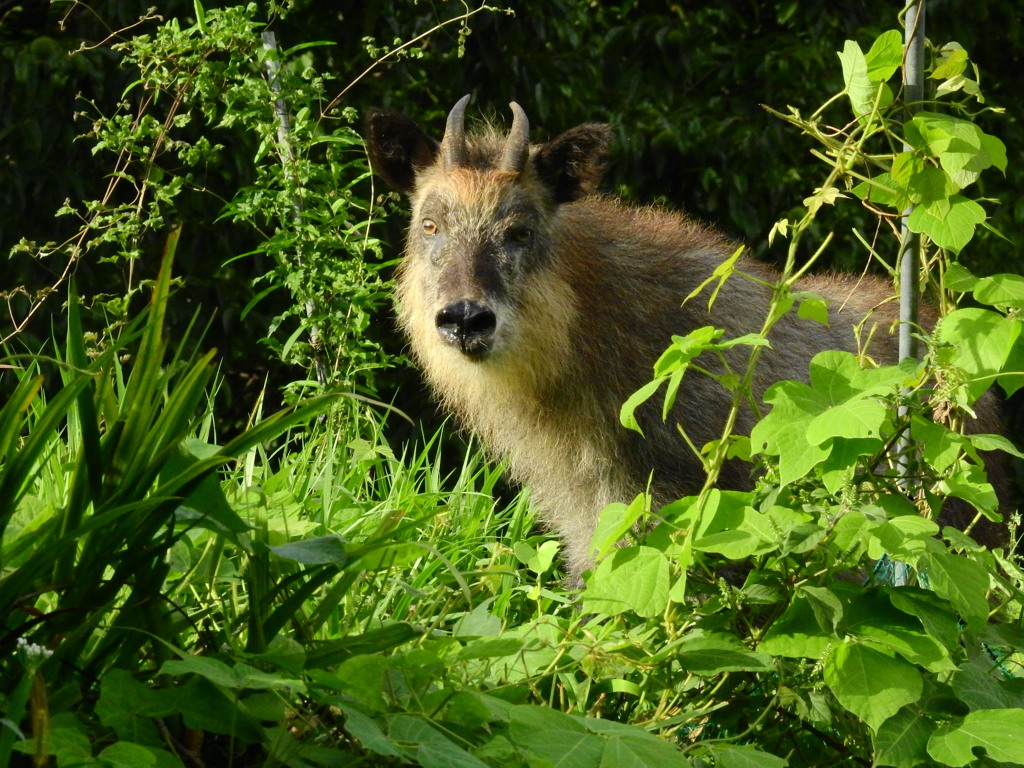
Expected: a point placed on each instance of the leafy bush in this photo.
(307, 594)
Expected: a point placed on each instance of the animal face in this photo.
(485, 212)
(474, 236)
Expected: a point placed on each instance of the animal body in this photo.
(536, 306)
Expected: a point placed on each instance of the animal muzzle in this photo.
(468, 325)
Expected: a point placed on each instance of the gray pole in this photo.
(910, 243)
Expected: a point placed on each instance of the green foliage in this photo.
(878, 664)
(305, 594)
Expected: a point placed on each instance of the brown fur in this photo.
(581, 315)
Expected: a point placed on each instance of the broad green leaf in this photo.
(994, 443)
(547, 737)
(997, 731)
(962, 581)
(615, 521)
(931, 186)
(214, 670)
(940, 446)
(977, 685)
(902, 740)
(492, 648)
(128, 706)
(906, 538)
(369, 734)
(969, 482)
(963, 149)
(952, 62)
(851, 420)
(949, 226)
(630, 746)
(727, 756)
(959, 278)
(883, 189)
(431, 748)
(797, 633)
(124, 754)
(323, 550)
(838, 376)
(741, 533)
(885, 55)
(933, 613)
(982, 339)
(715, 653)
(827, 608)
(1006, 290)
(783, 432)
(872, 618)
(870, 684)
(631, 579)
(855, 75)
(812, 307)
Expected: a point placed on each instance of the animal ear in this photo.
(571, 165)
(398, 148)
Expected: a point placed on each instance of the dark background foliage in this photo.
(682, 83)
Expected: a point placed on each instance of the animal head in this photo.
(484, 215)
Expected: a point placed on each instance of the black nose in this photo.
(468, 325)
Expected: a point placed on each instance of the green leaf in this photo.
(962, 581)
(827, 608)
(855, 75)
(851, 420)
(883, 189)
(615, 521)
(997, 731)
(949, 225)
(431, 748)
(952, 62)
(933, 613)
(627, 414)
(969, 482)
(977, 685)
(716, 653)
(369, 734)
(629, 746)
(797, 633)
(745, 757)
(812, 307)
(323, 550)
(548, 737)
(963, 149)
(872, 618)
(994, 443)
(982, 339)
(632, 579)
(959, 278)
(902, 740)
(737, 532)
(870, 684)
(940, 445)
(885, 56)
(1006, 290)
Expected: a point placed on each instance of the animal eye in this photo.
(520, 235)
(429, 227)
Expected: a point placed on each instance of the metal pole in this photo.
(910, 243)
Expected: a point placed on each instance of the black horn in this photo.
(453, 145)
(517, 145)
